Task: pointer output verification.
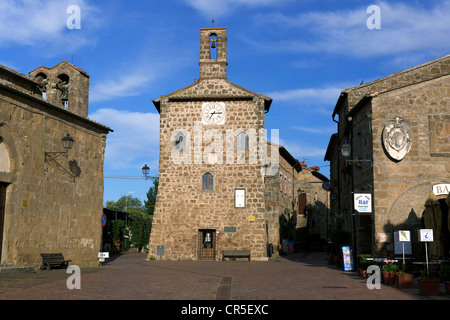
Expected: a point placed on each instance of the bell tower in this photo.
(65, 85)
(213, 53)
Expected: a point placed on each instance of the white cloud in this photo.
(135, 136)
(300, 150)
(31, 22)
(326, 95)
(319, 100)
(217, 8)
(404, 28)
(317, 130)
(126, 85)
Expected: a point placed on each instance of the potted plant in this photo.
(444, 275)
(404, 280)
(363, 263)
(389, 271)
(428, 286)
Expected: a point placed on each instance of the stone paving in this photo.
(131, 276)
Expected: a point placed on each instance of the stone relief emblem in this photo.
(397, 137)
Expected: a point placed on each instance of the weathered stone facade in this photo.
(53, 203)
(189, 207)
(401, 123)
(296, 202)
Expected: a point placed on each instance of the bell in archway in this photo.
(65, 93)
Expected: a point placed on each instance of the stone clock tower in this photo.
(211, 183)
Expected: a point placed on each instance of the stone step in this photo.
(10, 268)
(5, 265)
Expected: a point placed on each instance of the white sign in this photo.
(102, 255)
(440, 189)
(239, 198)
(426, 235)
(404, 235)
(363, 202)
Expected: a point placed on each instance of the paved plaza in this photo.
(131, 276)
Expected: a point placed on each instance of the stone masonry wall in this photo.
(47, 208)
(182, 207)
(401, 187)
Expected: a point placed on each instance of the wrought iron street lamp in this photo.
(146, 171)
(346, 152)
(67, 143)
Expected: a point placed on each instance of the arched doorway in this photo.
(2, 212)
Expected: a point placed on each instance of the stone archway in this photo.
(9, 160)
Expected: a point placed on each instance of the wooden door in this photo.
(207, 244)
(2, 212)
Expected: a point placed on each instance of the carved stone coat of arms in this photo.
(397, 137)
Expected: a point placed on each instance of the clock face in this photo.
(213, 113)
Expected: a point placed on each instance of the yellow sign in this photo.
(251, 219)
(24, 203)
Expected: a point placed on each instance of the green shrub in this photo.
(389, 267)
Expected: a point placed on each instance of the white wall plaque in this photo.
(239, 198)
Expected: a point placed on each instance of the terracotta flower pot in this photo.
(404, 281)
(388, 277)
(429, 287)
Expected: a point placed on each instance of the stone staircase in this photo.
(8, 267)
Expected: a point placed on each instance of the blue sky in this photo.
(301, 53)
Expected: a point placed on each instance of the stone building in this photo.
(295, 197)
(398, 130)
(51, 198)
(211, 182)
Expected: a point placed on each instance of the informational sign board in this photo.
(347, 255)
(229, 229)
(363, 202)
(103, 255)
(403, 235)
(426, 235)
(402, 242)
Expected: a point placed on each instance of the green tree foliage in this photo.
(151, 198)
(135, 230)
(126, 204)
(139, 228)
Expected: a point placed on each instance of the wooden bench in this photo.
(53, 260)
(236, 254)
